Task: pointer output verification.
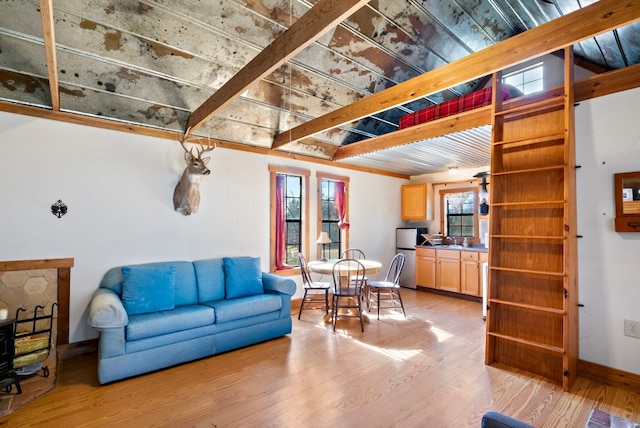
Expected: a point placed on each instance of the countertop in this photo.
(480, 248)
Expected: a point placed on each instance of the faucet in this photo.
(453, 239)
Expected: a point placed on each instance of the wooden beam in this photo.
(460, 122)
(173, 135)
(321, 18)
(597, 18)
(608, 83)
(46, 14)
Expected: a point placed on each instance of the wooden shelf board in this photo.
(530, 141)
(549, 237)
(508, 204)
(529, 271)
(557, 101)
(529, 170)
(553, 311)
(527, 342)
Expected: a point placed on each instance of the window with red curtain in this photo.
(280, 223)
(333, 212)
(289, 217)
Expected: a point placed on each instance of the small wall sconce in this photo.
(453, 170)
(59, 209)
(323, 239)
(483, 194)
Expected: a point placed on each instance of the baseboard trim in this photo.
(609, 376)
(450, 294)
(71, 350)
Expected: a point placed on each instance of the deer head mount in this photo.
(186, 196)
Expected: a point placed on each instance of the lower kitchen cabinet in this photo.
(470, 273)
(426, 267)
(450, 270)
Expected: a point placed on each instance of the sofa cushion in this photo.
(148, 289)
(245, 307)
(210, 276)
(181, 318)
(243, 276)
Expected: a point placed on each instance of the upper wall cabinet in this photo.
(627, 191)
(416, 205)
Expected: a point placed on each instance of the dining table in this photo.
(326, 268)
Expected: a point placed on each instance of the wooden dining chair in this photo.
(357, 254)
(387, 292)
(316, 294)
(348, 280)
(353, 253)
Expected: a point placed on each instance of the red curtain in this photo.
(340, 205)
(280, 224)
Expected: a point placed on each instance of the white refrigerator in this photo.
(406, 240)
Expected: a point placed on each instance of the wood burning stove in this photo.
(8, 376)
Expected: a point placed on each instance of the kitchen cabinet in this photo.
(470, 273)
(448, 270)
(415, 202)
(532, 317)
(426, 267)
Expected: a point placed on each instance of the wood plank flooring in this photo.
(424, 371)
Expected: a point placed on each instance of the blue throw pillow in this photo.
(148, 289)
(243, 276)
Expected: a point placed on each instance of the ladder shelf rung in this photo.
(507, 204)
(532, 237)
(551, 348)
(533, 107)
(529, 170)
(554, 311)
(528, 141)
(527, 271)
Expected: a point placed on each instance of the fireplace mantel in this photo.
(64, 281)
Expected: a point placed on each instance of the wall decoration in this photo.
(627, 194)
(59, 209)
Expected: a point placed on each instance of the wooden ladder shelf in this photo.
(532, 323)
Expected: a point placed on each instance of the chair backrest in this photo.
(348, 277)
(353, 253)
(304, 270)
(395, 268)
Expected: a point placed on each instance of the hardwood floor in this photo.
(424, 371)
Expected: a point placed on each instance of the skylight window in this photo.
(528, 80)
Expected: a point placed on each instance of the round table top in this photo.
(370, 266)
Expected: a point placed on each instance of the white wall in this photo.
(118, 188)
(607, 142)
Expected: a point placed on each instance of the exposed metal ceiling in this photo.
(153, 62)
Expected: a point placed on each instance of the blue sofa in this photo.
(155, 315)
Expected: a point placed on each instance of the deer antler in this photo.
(183, 139)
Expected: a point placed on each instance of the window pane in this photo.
(467, 221)
(293, 233)
(532, 87)
(294, 210)
(467, 231)
(294, 188)
(515, 80)
(532, 74)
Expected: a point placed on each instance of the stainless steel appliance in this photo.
(406, 240)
